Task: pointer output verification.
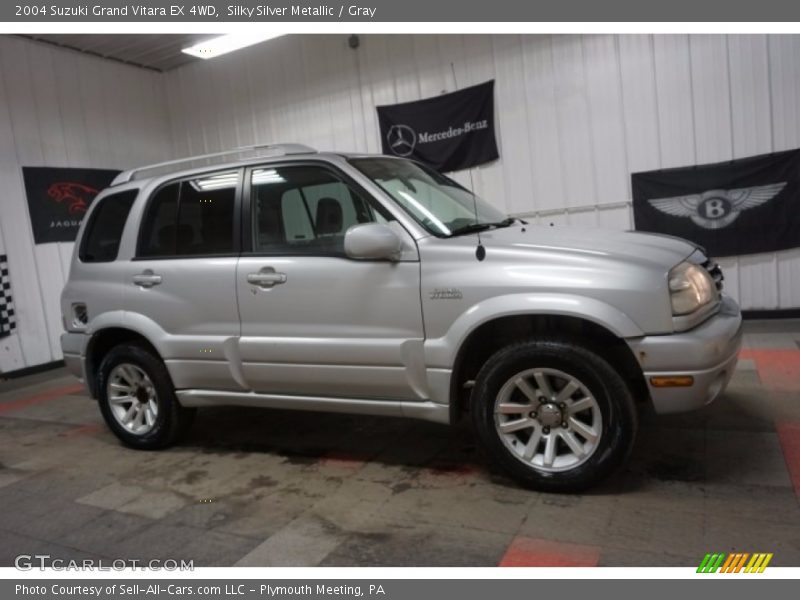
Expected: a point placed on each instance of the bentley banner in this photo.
(449, 132)
(741, 206)
(58, 199)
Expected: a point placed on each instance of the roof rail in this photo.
(171, 166)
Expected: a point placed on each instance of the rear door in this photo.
(181, 282)
(315, 322)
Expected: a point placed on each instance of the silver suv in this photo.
(280, 277)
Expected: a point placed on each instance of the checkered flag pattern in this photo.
(8, 318)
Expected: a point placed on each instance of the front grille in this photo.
(716, 273)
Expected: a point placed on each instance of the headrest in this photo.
(329, 216)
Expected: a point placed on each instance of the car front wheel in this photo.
(554, 414)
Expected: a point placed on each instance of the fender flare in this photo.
(120, 319)
(442, 352)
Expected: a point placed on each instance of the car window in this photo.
(191, 218)
(436, 202)
(305, 210)
(104, 230)
(297, 221)
(158, 226)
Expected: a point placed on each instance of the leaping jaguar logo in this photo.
(76, 195)
(716, 209)
(402, 139)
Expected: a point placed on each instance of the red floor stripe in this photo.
(90, 429)
(343, 459)
(438, 474)
(789, 435)
(456, 470)
(779, 370)
(41, 397)
(532, 552)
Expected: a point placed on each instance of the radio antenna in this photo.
(480, 251)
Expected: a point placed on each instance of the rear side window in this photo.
(104, 230)
(191, 218)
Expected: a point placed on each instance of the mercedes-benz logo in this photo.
(402, 139)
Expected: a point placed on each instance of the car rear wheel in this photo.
(554, 414)
(137, 399)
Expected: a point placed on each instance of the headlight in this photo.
(690, 287)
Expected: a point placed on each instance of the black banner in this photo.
(272, 584)
(387, 11)
(736, 207)
(58, 199)
(449, 132)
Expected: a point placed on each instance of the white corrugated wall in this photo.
(59, 108)
(575, 114)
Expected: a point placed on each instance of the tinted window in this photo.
(158, 227)
(193, 217)
(104, 230)
(305, 210)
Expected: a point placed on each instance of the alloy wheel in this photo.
(548, 419)
(132, 398)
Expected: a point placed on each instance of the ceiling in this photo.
(149, 51)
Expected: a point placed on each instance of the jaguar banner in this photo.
(449, 132)
(58, 199)
(743, 206)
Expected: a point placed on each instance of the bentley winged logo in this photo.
(715, 209)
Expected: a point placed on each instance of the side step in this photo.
(426, 410)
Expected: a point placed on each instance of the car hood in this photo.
(643, 248)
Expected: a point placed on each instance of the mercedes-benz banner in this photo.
(449, 132)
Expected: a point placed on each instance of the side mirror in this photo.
(372, 241)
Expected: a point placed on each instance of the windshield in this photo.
(436, 202)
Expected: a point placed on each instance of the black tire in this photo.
(172, 420)
(613, 398)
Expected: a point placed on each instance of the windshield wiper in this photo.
(476, 227)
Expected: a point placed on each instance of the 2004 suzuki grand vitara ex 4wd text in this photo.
(288, 278)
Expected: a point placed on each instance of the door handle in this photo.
(266, 277)
(146, 279)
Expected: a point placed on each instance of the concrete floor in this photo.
(265, 487)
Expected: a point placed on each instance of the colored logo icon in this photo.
(739, 562)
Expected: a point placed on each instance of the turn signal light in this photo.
(684, 381)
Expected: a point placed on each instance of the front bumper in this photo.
(708, 353)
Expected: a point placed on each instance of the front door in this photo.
(315, 322)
